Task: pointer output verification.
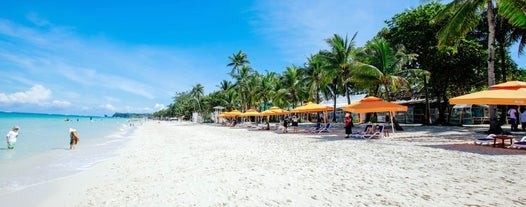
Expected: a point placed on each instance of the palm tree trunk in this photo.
(347, 93)
(491, 55)
(334, 111)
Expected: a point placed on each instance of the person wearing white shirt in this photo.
(11, 137)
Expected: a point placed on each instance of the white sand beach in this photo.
(185, 164)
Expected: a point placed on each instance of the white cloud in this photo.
(159, 106)
(37, 94)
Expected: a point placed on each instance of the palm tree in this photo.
(341, 58)
(242, 78)
(314, 78)
(225, 85)
(386, 66)
(253, 86)
(196, 92)
(267, 86)
(240, 71)
(515, 12)
(462, 18)
(292, 84)
(238, 60)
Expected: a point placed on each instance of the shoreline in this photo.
(182, 164)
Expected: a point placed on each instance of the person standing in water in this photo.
(74, 138)
(11, 137)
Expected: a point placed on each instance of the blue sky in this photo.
(101, 57)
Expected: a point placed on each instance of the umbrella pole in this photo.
(392, 122)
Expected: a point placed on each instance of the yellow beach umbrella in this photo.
(278, 111)
(267, 112)
(251, 112)
(373, 104)
(507, 93)
(510, 85)
(312, 107)
(493, 97)
(234, 113)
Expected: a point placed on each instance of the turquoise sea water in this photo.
(42, 148)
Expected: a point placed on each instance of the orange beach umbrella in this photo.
(278, 111)
(251, 112)
(510, 85)
(232, 113)
(373, 104)
(508, 93)
(312, 107)
(493, 97)
(274, 111)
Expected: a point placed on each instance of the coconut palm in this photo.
(313, 77)
(253, 86)
(225, 85)
(341, 58)
(196, 92)
(462, 17)
(241, 85)
(292, 84)
(237, 61)
(385, 68)
(515, 12)
(267, 87)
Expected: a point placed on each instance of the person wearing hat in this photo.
(11, 137)
(74, 138)
(347, 123)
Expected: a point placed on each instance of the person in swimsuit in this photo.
(74, 138)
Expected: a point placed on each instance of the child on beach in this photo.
(74, 138)
(11, 137)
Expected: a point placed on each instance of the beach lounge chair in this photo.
(486, 141)
(360, 134)
(519, 144)
(379, 133)
(323, 129)
(314, 128)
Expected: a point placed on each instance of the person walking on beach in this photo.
(11, 137)
(347, 123)
(294, 124)
(285, 124)
(512, 118)
(74, 138)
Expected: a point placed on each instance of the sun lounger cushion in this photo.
(485, 141)
(520, 144)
